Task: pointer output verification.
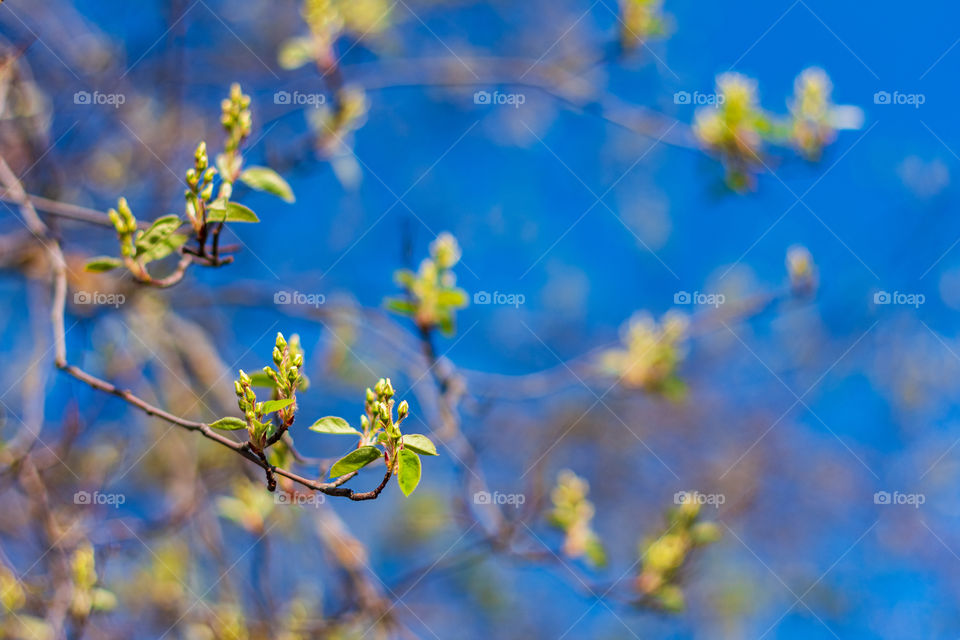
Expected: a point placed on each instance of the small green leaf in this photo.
(419, 443)
(233, 212)
(275, 405)
(266, 179)
(354, 460)
(456, 298)
(408, 477)
(295, 52)
(103, 263)
(163, 248)
(334, 425)
(229, 424)
(158, 231)
(403, 307)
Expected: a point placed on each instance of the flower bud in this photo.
(403, 409)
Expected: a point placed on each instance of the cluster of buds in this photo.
(810, 109)
(247, 398)
(126, 225)
(734, 128)
(652, 355)
(663, 556)
(200, 186)
(639, 21)
(378, 412)
(235, 118)
(572, 513)
(433, 297)
(285, 380)
(288, 359)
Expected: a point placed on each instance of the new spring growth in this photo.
(640, 20)
(663, 557)
(381, 436)
(204, 204)
(814, 118)
(126, 225)
(653, 352)
(284, 379)
(199, 191)
(327, 21)
(572, 513)
(736, 127)
(432, 296)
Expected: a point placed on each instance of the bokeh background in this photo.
(797, 412)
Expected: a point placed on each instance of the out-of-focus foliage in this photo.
(432, 295)
(651, 354)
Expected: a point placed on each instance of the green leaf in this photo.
(158, 231)
(266, 179)
(334, 425)
(295, 52)
(229, 424)
(456, 298)
(419, 443)
(275, 405)
(163, 248)
(233, 212)
(404, 307)
(103, 263)
(354, 460)
(408, 477)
